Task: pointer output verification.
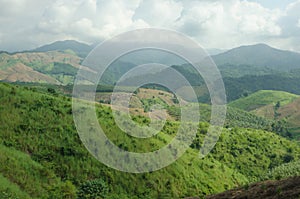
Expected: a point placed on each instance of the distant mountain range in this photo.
(245, 69)
(259, 55)
(82, 50)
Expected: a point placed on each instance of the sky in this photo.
(221, 24)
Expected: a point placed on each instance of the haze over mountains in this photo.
(81, 49)
(259, 55)
(267, 67)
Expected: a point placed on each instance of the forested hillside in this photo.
(43, 157)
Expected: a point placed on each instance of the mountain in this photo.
(259, 55)
(215, 51)
(79, 48)
(146, 56)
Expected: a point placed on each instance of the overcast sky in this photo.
(26, 24)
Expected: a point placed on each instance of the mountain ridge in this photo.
(81, 49)
(260, 55)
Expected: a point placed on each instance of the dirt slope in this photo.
(281, 189)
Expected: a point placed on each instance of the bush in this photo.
(93, 189)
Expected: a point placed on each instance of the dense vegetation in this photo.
(43, 157)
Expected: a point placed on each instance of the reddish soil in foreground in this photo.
(281, 189)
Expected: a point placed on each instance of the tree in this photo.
(51, 90)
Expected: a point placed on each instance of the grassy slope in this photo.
(23, 177)
(39, 129)
(263, 98)
(10, 190)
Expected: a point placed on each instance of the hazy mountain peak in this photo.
(81, 49)
(259, 55)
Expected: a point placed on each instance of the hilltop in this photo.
(80, 49)
(274, 105)
(263, 98)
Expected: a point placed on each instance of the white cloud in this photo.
(18, 20)
(214, 23)
(29, 23)
(90, 20)
(289, 23)
(228, 23)
(158, 13)
(290, 19)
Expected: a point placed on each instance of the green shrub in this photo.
(93, 189)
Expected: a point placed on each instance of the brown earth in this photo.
(281, 189)
(23, 73)
(48, 57)
(136, 106)
(289, 112)
(17, 67)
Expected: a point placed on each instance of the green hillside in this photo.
(263, 98)
(40, 150)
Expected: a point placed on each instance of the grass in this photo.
(9, 190)
(26, 177)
